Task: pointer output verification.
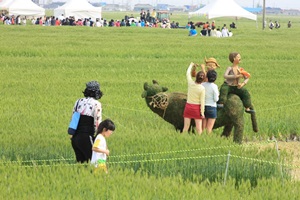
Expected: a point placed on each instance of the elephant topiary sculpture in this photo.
(170, 107)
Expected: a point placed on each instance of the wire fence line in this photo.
(249, 145)
(66, 161)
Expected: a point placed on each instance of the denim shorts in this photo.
(210, 112)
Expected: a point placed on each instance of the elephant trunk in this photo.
(253, 119)
(254, 122)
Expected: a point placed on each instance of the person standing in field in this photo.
(194, 108)
(153, 16)
(211, 99)
(100, 150)
(232, 84)
(90, 117)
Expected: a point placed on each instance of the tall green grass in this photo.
(78, 182)
(44, 70)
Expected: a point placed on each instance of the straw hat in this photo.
(211, 60)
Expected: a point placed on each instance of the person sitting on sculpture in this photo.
(209, 64)
(232, 84)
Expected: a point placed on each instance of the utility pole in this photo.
(264, 15)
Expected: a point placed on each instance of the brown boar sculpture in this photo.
(170, 107)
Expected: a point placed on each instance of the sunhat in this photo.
(212, 60)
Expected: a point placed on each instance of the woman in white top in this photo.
(211, 98)
(194, 108)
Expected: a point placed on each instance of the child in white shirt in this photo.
(100, 150)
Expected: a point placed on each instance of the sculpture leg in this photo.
(238, 131)
(245, 96)
(223, 93)
(227, 130)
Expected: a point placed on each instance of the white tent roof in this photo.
(224, 8)
(22, 7)
(78, 9)
(4, 4)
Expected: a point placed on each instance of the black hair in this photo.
(211, 76)
(97, 94)
(107, 124)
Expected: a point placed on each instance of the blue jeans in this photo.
(210, 112)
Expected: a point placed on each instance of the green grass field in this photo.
(44, 70)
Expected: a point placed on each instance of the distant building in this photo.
(138, 7)
(111, 7)
(173, 8)
(291, 12)
(162, 7)
(273, 11)
(191, 8)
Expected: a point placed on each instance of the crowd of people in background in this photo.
(70, 21)
(210, 30)
(146, 19)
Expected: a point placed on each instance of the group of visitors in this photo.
(89, 137)
(272, 25)
(209, 30)
(203, 96)
(145, 20)
(276, 25)
(13, 20)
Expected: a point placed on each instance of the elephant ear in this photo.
(144, 94)
(155, 82)
(164, 89)
(146, 86)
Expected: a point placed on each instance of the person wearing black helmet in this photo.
(90, 110)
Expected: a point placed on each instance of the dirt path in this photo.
(292, 148)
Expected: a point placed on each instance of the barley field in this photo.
(44, 70)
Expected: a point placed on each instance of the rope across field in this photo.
(187, 162)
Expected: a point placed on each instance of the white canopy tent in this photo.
(22, 7)
(4, 4)
(224, 8)
(78, 9)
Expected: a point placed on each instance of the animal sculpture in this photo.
(170, 107)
